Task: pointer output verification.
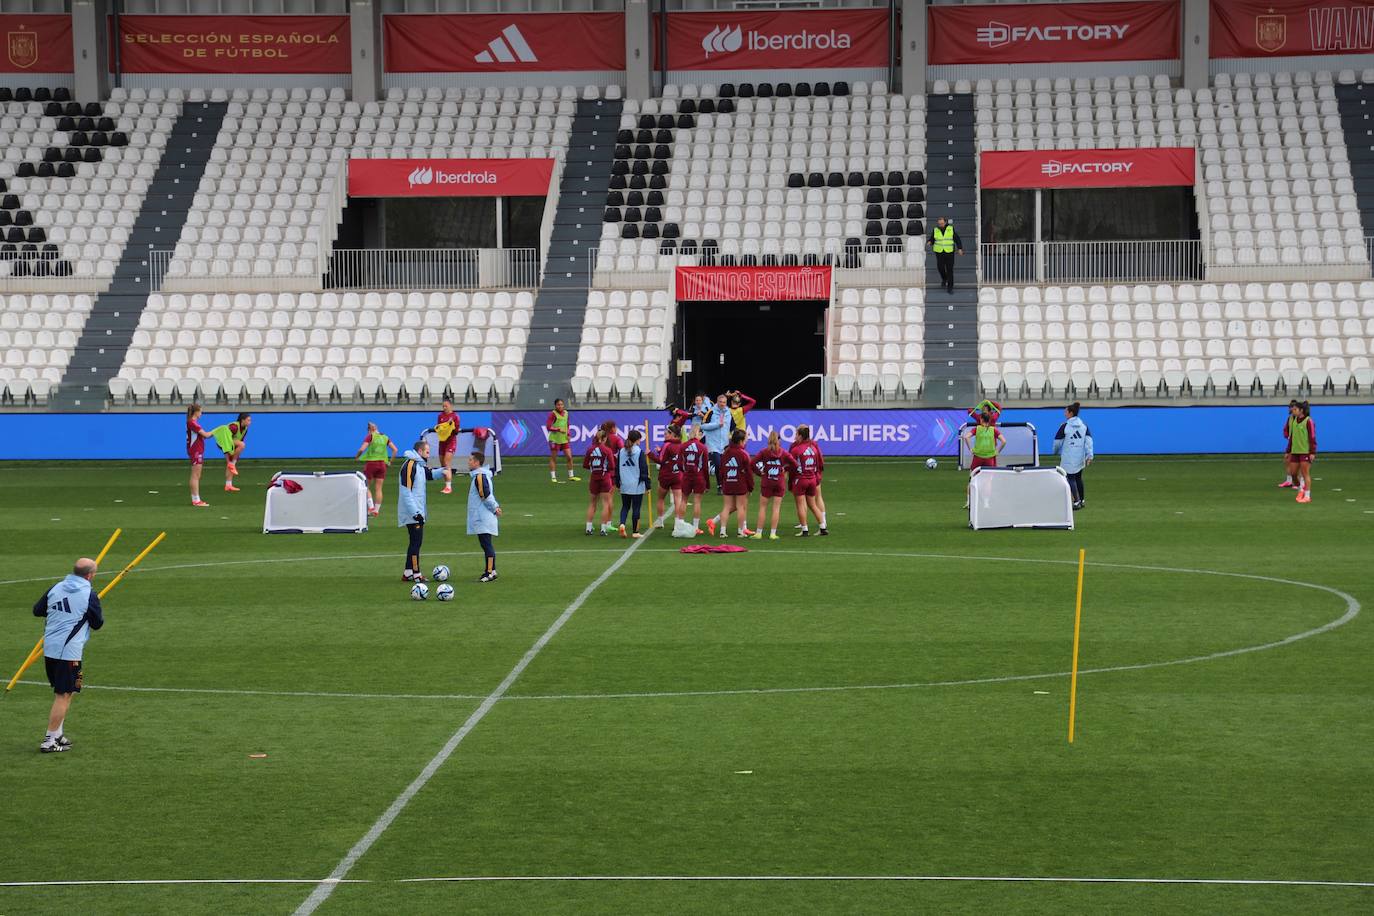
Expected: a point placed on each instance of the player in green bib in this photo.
(556, 428)
(985, 442)
(230, 439)
(373, 453)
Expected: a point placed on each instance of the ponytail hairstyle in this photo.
(634, 436)
(192, 411)
(773, 441)
(803, 433)
(737, 437)
(600, 437)
(1305, 408)
(608, 427)
(1073, 409)
(244, 416)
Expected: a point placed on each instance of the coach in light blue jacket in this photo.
(72, 610)
(411, 504)
(1073, 443)
(716, 434)
(484, 512)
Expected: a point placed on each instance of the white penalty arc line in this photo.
(1353, 608)
(324, 889)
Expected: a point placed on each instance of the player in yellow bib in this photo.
(373, 452)
(230, 439)
(556, 426)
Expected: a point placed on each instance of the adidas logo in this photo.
(508, 48)
(722, 40)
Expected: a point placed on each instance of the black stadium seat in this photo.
(634, 199)
(725, 106)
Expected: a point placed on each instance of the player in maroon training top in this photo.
(669, 460)
(806, 482)
(195, 450)
(615, 442)
(775, 466)
(600, 463)
(696, 474)
(448, 423)
(736, 483)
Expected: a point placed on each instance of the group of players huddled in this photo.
(707, 440)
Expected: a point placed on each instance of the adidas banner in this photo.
(504, 43)
(233, 44)
(36, 44)
(778, 40)
(449, 177)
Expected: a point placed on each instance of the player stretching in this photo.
(600, 461)
(1291, 479)
(810, 464)
(737, 482)
(740, 404)
(557, 426)
(669, 461)
(447, 427)
(230, 439)
(696, 477)
(773, 465)
(195, 450)
(1302, 449)
(375, 459)
(986, 443)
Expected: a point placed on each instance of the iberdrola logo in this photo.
(514, 433)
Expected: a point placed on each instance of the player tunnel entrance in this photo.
(758, 347)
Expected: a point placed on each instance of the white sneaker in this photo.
(54, 745)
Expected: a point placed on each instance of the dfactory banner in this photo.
(1036, 33)
(752, 284)
(1291, 28)
(234, 44)
(1089, 168)
(36, 44)
(778, 40)
(449, 177)
(503, 43)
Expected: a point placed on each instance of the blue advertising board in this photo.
(893, 433)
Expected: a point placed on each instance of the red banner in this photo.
(234, 44)
(1290, 28)
(36, 44)
(785, 40)
(1089, 168)
(1035, 33)
(504, 43)
(752, 284)
(449, 177)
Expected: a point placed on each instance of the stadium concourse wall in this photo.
(296, 434)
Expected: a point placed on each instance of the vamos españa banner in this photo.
(234, 44)
(1036, 33)
(1291, 28)
(752, 284)
(36, 44)
(784, 40)
(504, 43)
(1089, 168)
(449, 177)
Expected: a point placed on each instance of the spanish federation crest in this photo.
(1271, 31)
(23, 49)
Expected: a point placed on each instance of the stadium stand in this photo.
(38, 333)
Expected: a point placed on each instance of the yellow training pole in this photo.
(132, 563)
(108, 544)
(1077, 619)
(38, 648)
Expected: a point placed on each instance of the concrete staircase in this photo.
(1356, 104)
(951, 337)
(109, 330)
(561, 304)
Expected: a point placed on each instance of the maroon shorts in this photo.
(1300, 459)
(982, 462)
(197, 456)
(374, 470)
(669, 482)
(735, 488)
(597, 485)
(694, 483)
(804, 486)
(769, 489)
(556, 447)
(449, 445)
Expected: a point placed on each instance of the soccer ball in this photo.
(441, 573)
(444, 592)
(419, 591)
(931, 464)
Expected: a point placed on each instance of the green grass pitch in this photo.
(671, 728)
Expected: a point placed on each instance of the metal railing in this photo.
(1028, 263)
(433, 268)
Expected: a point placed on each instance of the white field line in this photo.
(1353, 608)
(993, 879)
(324, 889)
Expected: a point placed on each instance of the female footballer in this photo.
(806, 482)
(737, 482)
(600, 461)
(195, 450)
(669, 461)
(375, 459)
(774, 465)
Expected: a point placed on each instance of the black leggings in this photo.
(1076, 486)
(417, 537)
(489, 549)
(631, 505)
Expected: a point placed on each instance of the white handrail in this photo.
(805, 378)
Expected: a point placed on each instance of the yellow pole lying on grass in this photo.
(1077, 619)
(38, 649)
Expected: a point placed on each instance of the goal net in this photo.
(316, 503)
(1020, 498)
